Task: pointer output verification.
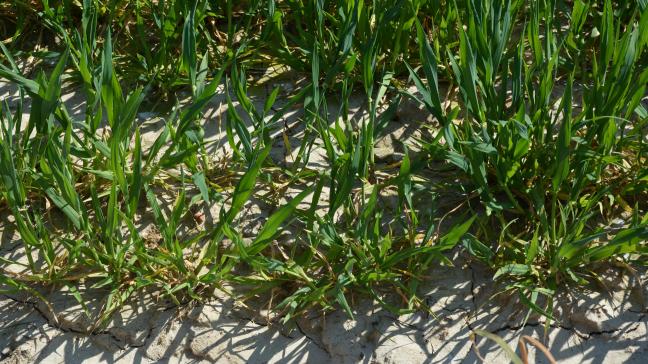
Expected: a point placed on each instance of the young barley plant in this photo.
(546, 159)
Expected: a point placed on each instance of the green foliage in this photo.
(539, 112)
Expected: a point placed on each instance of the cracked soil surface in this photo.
(608, 327)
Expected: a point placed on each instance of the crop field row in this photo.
(528, 151)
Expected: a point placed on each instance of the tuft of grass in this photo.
(544, 175)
